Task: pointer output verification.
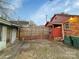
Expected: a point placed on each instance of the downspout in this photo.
(62, 32)
(19, 33)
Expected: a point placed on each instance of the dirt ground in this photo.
(44, 49)
(47, 50)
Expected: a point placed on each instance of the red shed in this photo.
(58, 24)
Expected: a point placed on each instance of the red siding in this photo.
(57, 32)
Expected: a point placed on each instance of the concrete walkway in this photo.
(41, 49)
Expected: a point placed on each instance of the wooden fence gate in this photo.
(34, 33)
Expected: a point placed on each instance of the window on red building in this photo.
(66, 26)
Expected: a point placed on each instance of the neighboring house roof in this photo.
(60, 18)
(46, 23)
(6, 22)
(62, 15)
(20, 22)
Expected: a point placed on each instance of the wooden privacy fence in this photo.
(33, 33)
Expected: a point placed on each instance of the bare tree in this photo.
(4, 9)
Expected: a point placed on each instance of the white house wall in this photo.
(13, 35)
(4, 37)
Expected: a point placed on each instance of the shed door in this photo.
(57, 32)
